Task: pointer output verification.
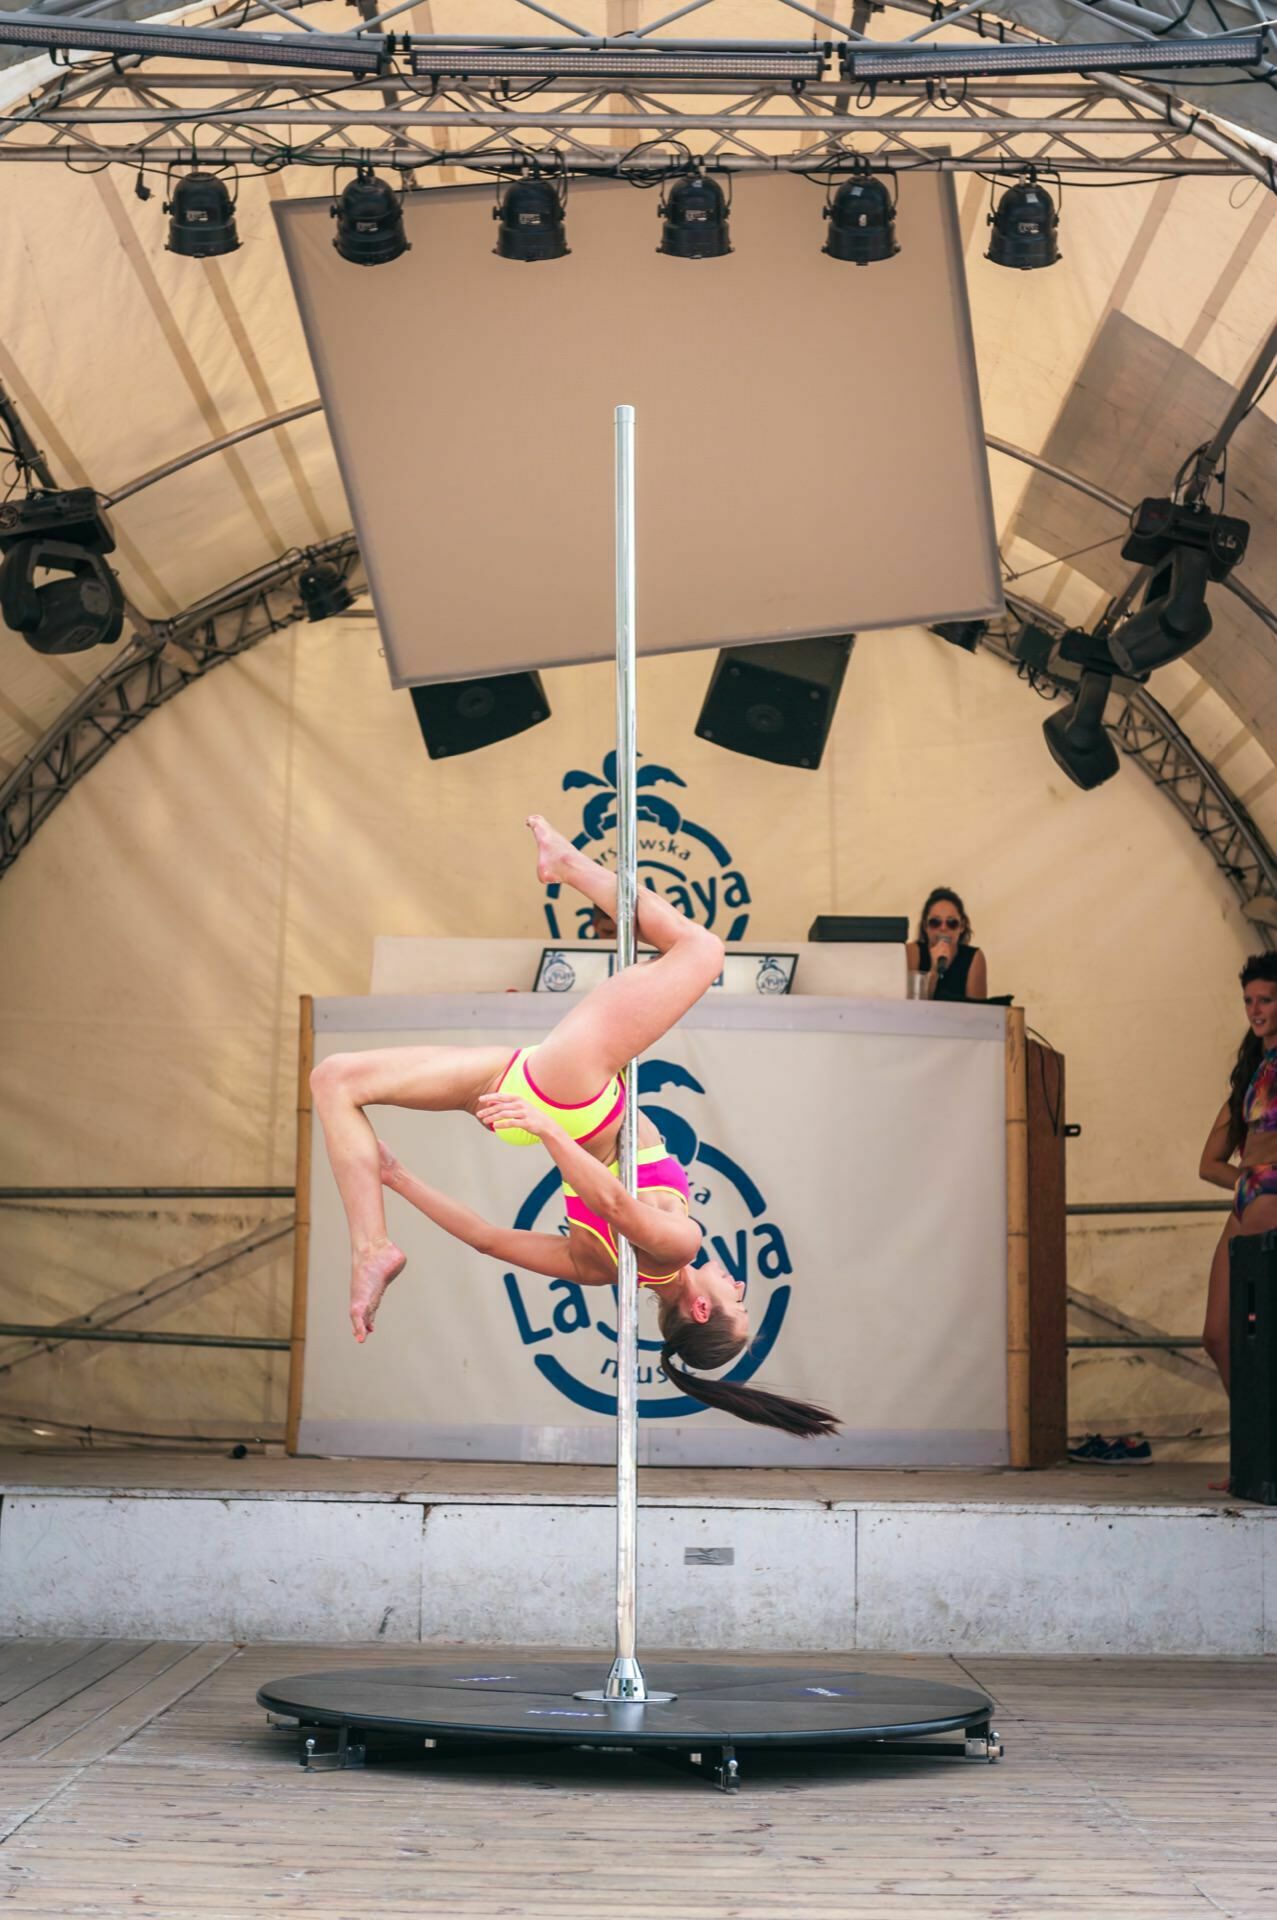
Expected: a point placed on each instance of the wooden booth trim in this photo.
(1037, 1280)
(1017, 1123)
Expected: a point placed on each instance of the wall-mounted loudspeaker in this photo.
(776, 701)
(457, 716)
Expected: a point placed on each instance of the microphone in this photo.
(942, 964)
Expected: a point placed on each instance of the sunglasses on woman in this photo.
(951, 926)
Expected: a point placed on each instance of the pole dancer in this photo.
(567, 1095)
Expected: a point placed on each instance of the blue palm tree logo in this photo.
(678, 857)
(598, 816)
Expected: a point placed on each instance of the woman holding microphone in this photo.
(950, 966)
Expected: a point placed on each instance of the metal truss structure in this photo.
(1145, 732)
(178, 652)
(129, 108)
(151, 669)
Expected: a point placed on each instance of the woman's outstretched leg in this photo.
(625, 1015)
(440, 1079)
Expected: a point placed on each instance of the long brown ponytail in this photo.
(1260, 966)
(712, 1343)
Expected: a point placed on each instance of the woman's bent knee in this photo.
(333, 1074)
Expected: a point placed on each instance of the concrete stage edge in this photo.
(1091, 1561)
(716, 1708)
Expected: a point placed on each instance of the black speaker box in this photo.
(458, 716)
(776, 701)
(1252, 1339)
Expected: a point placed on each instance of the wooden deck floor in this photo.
(260, 1477)
(141, 1780)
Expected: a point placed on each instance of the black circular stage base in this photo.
(716, 1709)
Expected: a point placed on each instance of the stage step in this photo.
(718, 1573)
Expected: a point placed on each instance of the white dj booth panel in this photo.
(848, 1156)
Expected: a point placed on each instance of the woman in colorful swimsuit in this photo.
(1247, 1120)
(568, 1095)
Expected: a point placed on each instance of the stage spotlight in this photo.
(862, 222)
(531, 217)
(78, 607)
(694, 213)
(323, 591)
(1025, 225)
(966, 634)
(369, 218)
(201, 218)
(1076, 735)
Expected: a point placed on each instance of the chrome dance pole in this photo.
(625, 1681)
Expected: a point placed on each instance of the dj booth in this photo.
(885, 1174)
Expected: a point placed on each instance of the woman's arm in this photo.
(978, 977)
(1215, 1167)
(663, 1235)
(546, 1253)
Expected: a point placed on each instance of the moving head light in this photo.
(1189, 546)
(56, 589)
(71, 513)
(1159, 526)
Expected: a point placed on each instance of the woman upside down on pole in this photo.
(568, 1095)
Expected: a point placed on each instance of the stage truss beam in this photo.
(1106, 123)
(265, 124)
(148, 673)
(1144, 731)
(246, 612)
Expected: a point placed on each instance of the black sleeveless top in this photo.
(952, 984)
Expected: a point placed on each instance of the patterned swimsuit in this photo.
(1259, 1110)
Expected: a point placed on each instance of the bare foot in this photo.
(370, 1275)
(390, 1167)
(555, 856)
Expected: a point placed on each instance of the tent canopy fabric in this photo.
(121, 357)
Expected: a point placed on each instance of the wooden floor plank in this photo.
(87, 1705)
(103, 1658)
(25, 1663)
(110, 1729)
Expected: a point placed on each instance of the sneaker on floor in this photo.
(1126, 1450)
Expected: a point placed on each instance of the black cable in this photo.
(87, 1434)
(1159, 32)
(1259, 396)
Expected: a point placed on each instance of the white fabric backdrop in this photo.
(866, 1212)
